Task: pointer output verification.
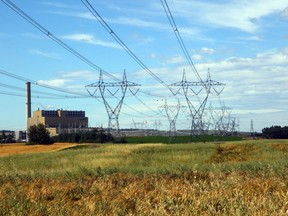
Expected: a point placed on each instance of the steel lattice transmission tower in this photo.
(252, 132)
(221, 117)
(192, 89)
(172, 112)
(105, 88)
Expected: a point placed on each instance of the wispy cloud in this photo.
(175, 60)
(56, 4)
(256, 111)
(257, 83)
(57, 82)
(135, 22)
(44, 54)
(284, 13)
(238, 14)
(138, 22)
(79, 75)
(207, 50)
(197, 57)
(90, 39)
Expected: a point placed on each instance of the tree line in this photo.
(275, 132)
(38, 134)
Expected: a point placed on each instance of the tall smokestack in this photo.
(28, 85)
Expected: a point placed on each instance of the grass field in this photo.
(230, 178)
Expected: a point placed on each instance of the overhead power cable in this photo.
(6, 73)
(179, 38)
(61, 43)
(121, 43)
(33, 96)
(54, 38)
(55, 96)
(12, 75)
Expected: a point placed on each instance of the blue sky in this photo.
(243, 43)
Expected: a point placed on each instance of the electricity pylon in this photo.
(105, 88)
(191, 89)
(252, 132)
(172, 112)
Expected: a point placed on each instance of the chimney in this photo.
(28, 103)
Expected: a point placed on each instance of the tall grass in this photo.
(242, 178)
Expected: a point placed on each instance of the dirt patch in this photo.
(280, 147)
(232, 153)
(21, 148)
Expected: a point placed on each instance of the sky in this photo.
(243, 44)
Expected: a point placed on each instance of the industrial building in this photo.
(59, 120)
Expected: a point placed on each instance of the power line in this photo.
(72, 51)
(125, 47)
(15, 76)
(121, 43)
(179, 38)
(60, 42)
(54, 38)
(57, 96)
(6, 73)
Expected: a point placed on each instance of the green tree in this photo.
(38, 134)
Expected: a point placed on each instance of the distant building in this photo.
(7, 136)
(20, 136)
(57, 120)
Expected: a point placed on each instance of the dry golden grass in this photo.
(21, 148)
(233, 152)
(190, 193)
(237, 178)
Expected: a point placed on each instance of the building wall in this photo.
(59, 119)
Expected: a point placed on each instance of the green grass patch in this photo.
(149, 158)
(181, 139)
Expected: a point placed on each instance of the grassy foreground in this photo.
(232, 178)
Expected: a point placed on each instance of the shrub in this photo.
(38, 134)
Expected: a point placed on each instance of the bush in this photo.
(39, 135)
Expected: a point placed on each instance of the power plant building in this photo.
(57, 120)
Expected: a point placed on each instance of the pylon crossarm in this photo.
(135, 92)
(111, 93)
(174, 93)
(218, 92)
(92, 95)
(196, 92)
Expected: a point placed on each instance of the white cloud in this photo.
(207, 50)
(56, 4)
(137, 22)
(284, 13)
(91, 39)
(175, 60)
(251, 38)
(197, 57)
(80, 75)
(44, 54)
(242, 15)
(256, 111)
(58, 82)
